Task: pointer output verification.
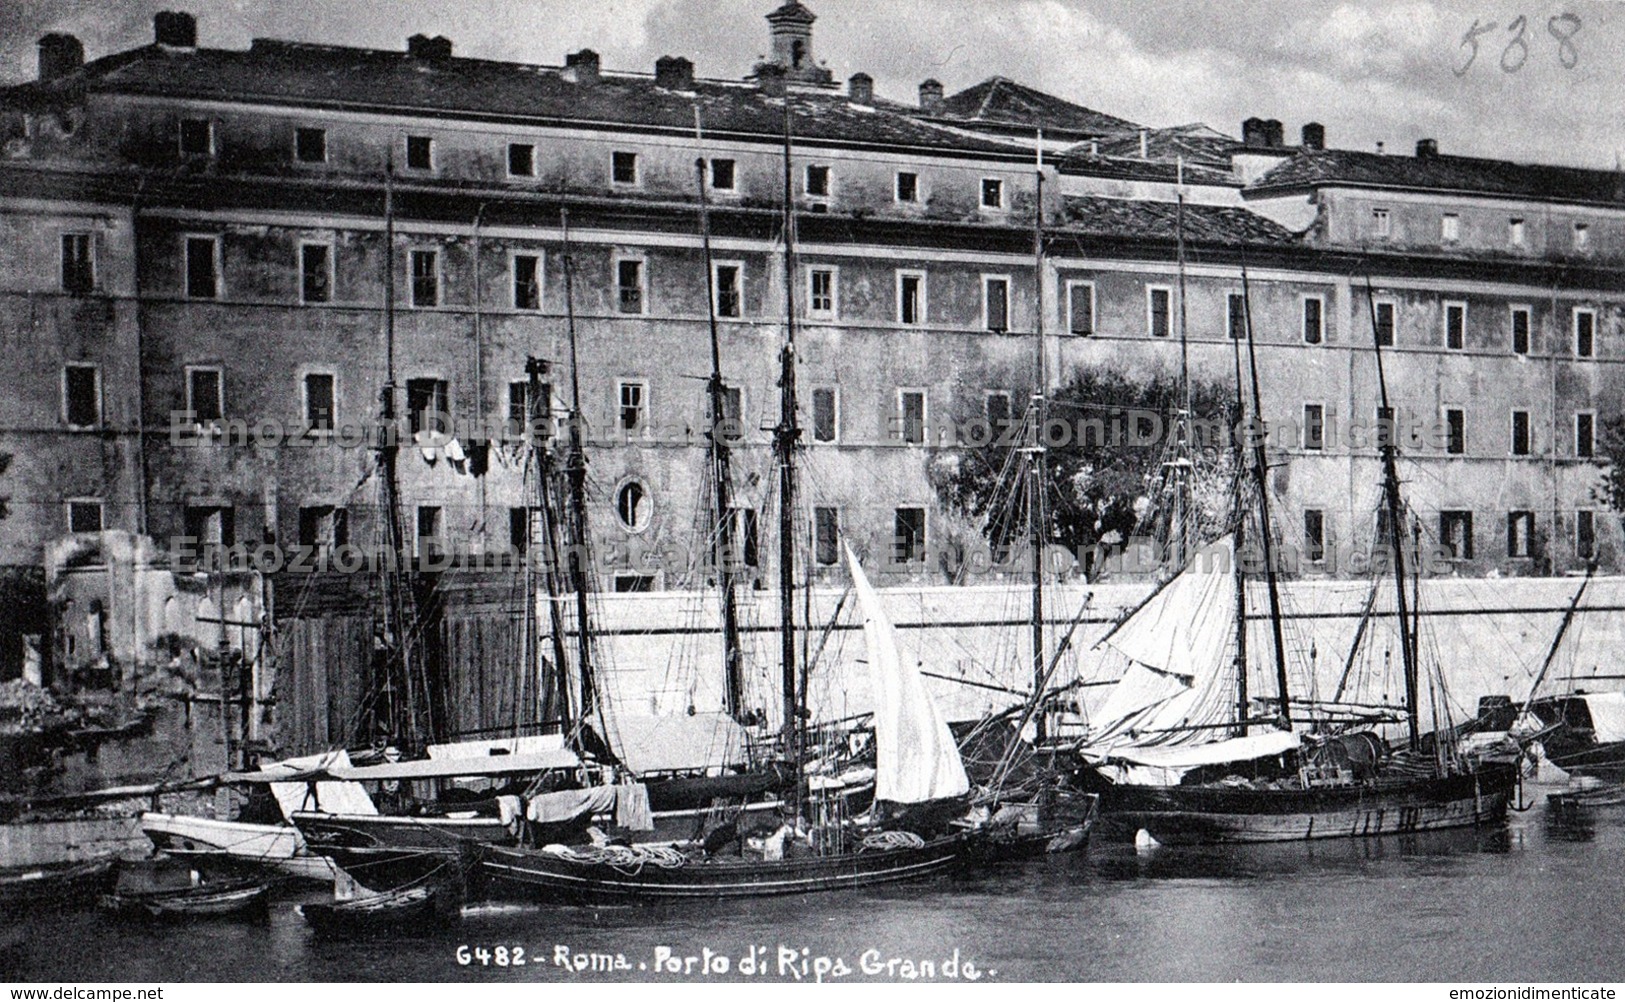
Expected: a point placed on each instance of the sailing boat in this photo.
(1172, 752)
(918, 769)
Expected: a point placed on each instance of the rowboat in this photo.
(55, 883)
(393, 912)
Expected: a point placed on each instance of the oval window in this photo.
(632, 506)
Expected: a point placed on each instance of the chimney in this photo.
(581, 67)
(175, 29)
(431, 49)
(1314, 136)
(861, 88)
(1145, 144)
(770, 77)
(1427, 149)
(674, 73)
(1274, 134)
(931, 96)
(1254, 133)
(59, 55)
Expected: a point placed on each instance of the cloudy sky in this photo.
(1382, 70)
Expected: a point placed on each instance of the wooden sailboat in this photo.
(1173, 751)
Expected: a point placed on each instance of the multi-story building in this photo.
(199, 241)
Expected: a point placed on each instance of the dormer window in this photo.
(310, 146)
(197, 137)
(419, 153)
(623, 167)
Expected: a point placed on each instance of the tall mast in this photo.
(786, 437)
(1243, 702)
(1035, 450)
(394, 687)
(1178, 524)
(575, 468)
(1261, 478)
(535, 368)
(1395, 510)
(733, 665)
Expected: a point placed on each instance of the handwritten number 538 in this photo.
(1562, 27)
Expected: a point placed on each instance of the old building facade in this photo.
(217, 261)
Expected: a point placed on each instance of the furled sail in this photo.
(916, 759)
(1179, 682)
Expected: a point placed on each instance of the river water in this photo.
(1539, 899)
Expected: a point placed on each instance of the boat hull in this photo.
(394, 913)
(537, 875)
(1177, 815)
(275, 847)
(197, 902)
(55, 883)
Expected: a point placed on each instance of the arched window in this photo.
(632, 506)
(798, 52)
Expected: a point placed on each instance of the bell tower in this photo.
(791, 29)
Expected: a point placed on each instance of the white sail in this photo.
(1179, 681)
(916, 759)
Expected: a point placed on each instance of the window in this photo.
(1585, 333)
(634, 584)
(519, 415)
(1456, 534)
(911, 415)
(205, 394)
(1520, 529)
(310, 146)
(419, 153)
(82, 396)
(85, 516)
(322, 527)
(632, 506)
(429, 529)
(1455, 431)
(826, 536)
(623, 167)
(1314, 319)
(1520, 330)
(826, 414)
(1585, 435)
(428, 405)
(319, 402)
(821, 292)
(911, 297)
(202, 267)
(1383, 318)
(1158, 301)
(633, 400)
(1585, 534)
(997, 406)
(992, 193)
(1387, 432)
(211, 525)
(1455, 326)
(996, 303)
(817, 181)
(78, 273)
(1582, 237)
(1515, 234)
(908, 186)
(527, 282)
(1314, 427)
(1450, 227)
(197, 137)
(315, 273)
(722, 175)
(524, 528)
(908, 536)
(730, 296)
(1314, 534)
(1381, 224)
(733, 406)
(748, 536)
(1520, 433)
(425, 278)
(1236, 315)
(629, 285)
(1080, 308)
(521, 160)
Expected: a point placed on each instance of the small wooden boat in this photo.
(55, 883)
(207, 900)
(393, 912)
